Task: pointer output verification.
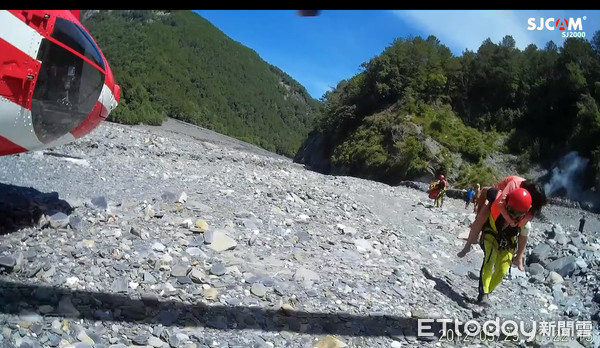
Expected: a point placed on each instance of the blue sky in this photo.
(320, 51)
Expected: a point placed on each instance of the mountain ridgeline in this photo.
(177, 64)
(415, 110)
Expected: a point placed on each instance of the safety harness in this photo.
(506, 237)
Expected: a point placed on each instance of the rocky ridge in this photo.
(172, 237)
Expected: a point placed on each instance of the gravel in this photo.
(175, 236)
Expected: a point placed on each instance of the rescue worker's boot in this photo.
(483, 299)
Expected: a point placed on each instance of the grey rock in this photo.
(100, 202)
(59, 220)
(140, 340)
(304, 274)
(540, 254)
(7, 262)
(218, 269)
(565, 266)
(258, 289)
(535, 268)
(179, 270)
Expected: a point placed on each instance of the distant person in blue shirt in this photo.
(470, 197)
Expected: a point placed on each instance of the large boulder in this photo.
(565, 266)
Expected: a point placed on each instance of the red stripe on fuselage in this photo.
(48, 27)
(15, 67)
(97, 115)
(7, 147)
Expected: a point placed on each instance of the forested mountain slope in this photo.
(416, 110)
(177, 64)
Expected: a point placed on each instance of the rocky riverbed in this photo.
(175, 236)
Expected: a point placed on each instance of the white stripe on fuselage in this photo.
(16, 125)
(107, 99)
(19, 34)
(15, 121)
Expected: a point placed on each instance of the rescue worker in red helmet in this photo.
(441, 186)
(499, 239)
(506, 186)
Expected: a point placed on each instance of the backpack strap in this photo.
(505, 237)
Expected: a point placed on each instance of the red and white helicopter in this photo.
(55, 84)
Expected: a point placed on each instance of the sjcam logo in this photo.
(572, 27)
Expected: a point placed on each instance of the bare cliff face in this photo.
(316, 153)
(175, 236)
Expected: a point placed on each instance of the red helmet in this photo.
(442, 177)
(519, 200)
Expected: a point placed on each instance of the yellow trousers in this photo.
(439, 200)
(496, 264)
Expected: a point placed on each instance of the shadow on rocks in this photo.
(147, 308)
(446, 289)
(22, 207)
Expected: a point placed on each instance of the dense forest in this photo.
(414, 107)
(177, 64)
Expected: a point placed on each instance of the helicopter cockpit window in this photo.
(65, 93)
(78, 39)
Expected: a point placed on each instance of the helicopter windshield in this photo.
(78, 39)
(68, 86)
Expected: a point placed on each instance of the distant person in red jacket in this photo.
(440, 186)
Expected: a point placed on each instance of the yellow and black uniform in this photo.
(441, 187)
(498, 242)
